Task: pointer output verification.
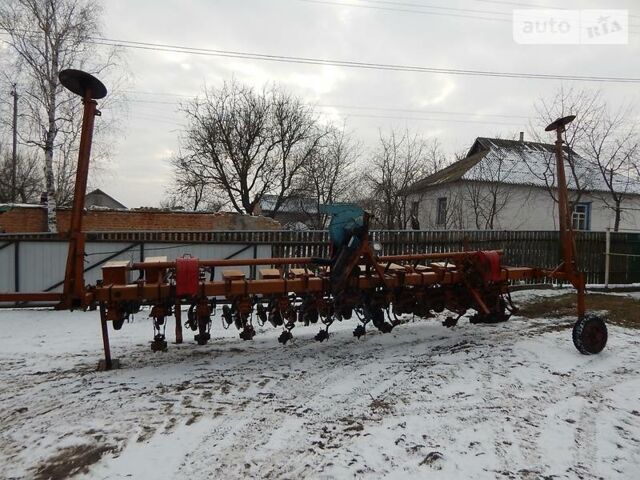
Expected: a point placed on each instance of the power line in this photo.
(436, 7)
(351, 107)
(428, 119)
(354, 64)
(412, 10)
(530, 5)
(154, 102)
(154, 118)
(523, 4)
(149, 46)
(429, 10)
(164, 94)
(413, 110)
(517, 4)
(151, 117)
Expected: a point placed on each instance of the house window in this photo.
(581, 216)
(414, 209)
(441, 212)
(415, 223)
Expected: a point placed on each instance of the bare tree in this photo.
(488, 192)
(329, 174)
(28, 178)
(489, 196)
(244, 144)
(399, 160)
(611, 144)
(189, 189)
(46, 37)
(584, 105)
(607, 140)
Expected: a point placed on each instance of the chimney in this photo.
(521, 137)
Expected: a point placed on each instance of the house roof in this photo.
(485, 143)
(451, 173)
(521, 163)
(97, 191)
(289, 205)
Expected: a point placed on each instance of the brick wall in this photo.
(20, 219)
(23, 220)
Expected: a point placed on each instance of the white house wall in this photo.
(526, 208)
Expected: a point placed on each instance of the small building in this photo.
(511, 185)
(295, 212)
(100, 199)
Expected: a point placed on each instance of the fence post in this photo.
(607, 257)
(16, 266)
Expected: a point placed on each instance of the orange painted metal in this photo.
(153, 274)
(110, 293)
(30, 297)
(116, 272)
(73, 290)
(304, 260)
(568, 269)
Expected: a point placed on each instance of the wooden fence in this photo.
(522, 248)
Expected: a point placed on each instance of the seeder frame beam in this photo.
(301, 285)
(303, 260)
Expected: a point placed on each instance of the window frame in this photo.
(415, 208)
(441, 211)
(578, 217)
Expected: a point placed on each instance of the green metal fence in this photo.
(522, 248)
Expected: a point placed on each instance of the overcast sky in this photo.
(430, 33)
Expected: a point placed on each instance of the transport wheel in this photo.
(590, 334)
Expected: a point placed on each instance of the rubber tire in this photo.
(592, 325)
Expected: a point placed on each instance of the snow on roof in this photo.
(8, 206)
(523, 163)
(289, 205)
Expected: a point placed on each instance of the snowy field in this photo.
(513, 400)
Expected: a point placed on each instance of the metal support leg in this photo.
(581, 294)
(178, 314)
(107, 363)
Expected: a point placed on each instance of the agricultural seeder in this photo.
(354, 282)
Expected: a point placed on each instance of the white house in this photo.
(510, 185)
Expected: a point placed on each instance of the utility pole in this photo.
(14, 158)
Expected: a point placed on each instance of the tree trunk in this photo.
(492, 213)
(52, 224)
(616, 224)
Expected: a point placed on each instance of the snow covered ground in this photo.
(513, 400)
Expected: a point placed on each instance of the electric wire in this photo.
(350, 107)
(150, 46)
(408, 10)
(163, 47)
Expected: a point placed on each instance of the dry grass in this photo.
(621, 310)
(380, 405)
(71, 461)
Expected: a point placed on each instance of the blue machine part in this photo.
(345, 219)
